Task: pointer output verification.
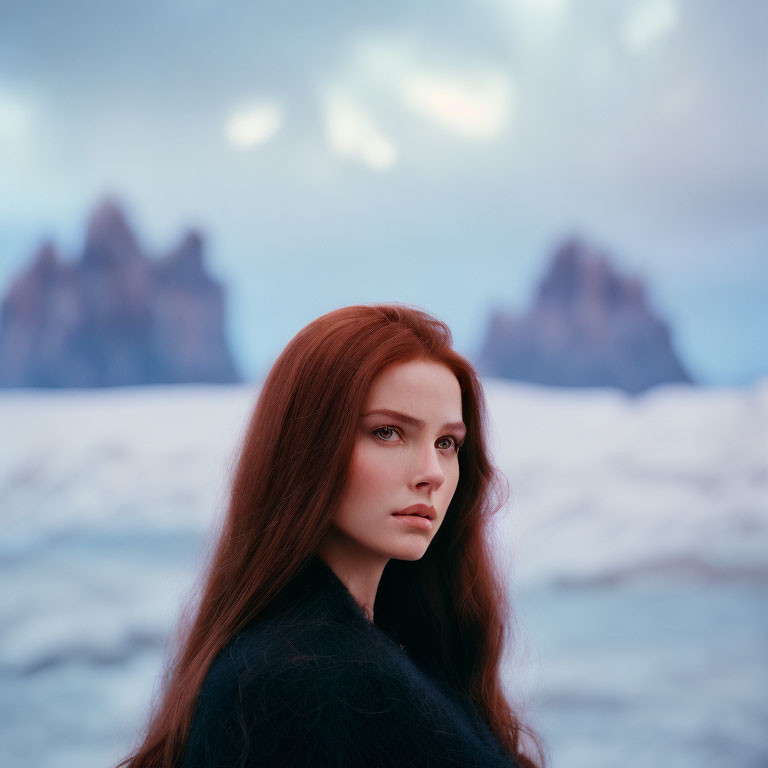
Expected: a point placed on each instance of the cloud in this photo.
(475, 107)
(15, 118)
(23, 157)
(538, 11)
(647, 23)
(351, 133)
(399, 77)
(253, 124)
(533, 27)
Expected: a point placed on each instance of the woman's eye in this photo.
(452, 443)
(385, 429)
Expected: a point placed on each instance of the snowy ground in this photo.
(636, 538)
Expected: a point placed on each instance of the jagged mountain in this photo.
(588, 326)
(114, 316)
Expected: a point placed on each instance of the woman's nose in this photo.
(428, 467)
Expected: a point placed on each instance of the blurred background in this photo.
(577, 187)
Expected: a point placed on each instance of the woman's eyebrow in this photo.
(458, 425)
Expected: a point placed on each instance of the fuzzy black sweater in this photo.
(312, 682)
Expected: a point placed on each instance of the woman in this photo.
(351, 615)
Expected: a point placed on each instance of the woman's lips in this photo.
(423, 523)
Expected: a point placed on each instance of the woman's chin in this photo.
(413, 550)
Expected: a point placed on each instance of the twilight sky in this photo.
(432, 153)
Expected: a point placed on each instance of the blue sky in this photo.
(431, 153)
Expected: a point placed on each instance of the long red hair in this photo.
(289, 477)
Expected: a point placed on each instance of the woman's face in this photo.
(405, 454)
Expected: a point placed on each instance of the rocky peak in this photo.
(588, 325)
(109, 240)
(47, 261)
(183, 265)
(579, 276)
(114, 316)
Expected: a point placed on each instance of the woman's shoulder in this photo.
(289, 651)
(264, 686)
(313, 670)
(290, 692)
(293, 708)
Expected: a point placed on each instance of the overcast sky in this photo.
(433, 153)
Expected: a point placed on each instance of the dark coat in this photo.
(313, 683)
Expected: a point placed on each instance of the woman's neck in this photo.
(359, 569)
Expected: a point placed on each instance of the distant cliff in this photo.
(114, 316)
(588, 326)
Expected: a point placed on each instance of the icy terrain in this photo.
(635, 538)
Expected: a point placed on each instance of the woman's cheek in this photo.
(376, 466)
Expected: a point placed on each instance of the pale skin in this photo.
(396, 463)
